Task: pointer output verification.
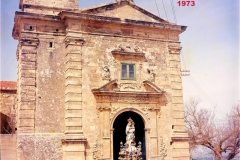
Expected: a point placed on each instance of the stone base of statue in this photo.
(130, 152)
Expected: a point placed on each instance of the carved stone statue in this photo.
(151, 74)
(129, 151)
(106, 73)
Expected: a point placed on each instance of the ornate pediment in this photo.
(115, 86)
(115, 91)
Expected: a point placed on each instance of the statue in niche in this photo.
(106, 73)
(129, 151)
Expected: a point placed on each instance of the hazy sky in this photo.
(210, 46)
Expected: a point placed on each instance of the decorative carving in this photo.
(145, 111)
(129, 149)
(163, 151)
(74, 41)
(100, 108)
(106, 73)
(128, 99)
(151, 74)
(137, 49)
(114, 111)
(129, 86)
(127, 48)
(96, 149)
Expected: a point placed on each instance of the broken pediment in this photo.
(125, 10)
(115, 86)
(114, 91)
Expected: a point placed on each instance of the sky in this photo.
(210, 46)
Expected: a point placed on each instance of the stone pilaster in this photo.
(27, 84)
(74, 145)
(179, 135)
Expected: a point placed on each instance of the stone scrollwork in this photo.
(114, 111)
(163, 151)
(145, 111)
(96, 149)
(128, 48)
(129, 86)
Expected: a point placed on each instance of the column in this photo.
(27, 84)
(74, 145)
(179, 135)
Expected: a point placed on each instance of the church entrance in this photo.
(119, 132)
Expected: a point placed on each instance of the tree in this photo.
(204, 130)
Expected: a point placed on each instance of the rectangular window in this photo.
(128, 71)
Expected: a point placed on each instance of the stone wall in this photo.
(8, 106)
(8, 147)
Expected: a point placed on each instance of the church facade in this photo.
(83, 73)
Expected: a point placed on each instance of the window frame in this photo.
(128, 77)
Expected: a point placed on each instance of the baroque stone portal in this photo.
(129, 151)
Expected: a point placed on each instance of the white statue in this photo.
(129, 150)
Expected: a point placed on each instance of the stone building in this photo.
(8, 148)
(82, 73)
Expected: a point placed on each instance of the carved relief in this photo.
(127, 48)
(151, 74)
(114, 111)
(129, 86)
(106, 73)
(163, 151)
(74, 41)
(128, 99)
(96, 149)
(145, 111)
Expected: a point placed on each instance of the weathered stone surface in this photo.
(8, 146)
(40, 147)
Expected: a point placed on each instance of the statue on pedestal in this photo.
(129, 151)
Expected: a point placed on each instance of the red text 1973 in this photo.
(186, 3)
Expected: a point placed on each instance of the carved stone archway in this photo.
(112, 101)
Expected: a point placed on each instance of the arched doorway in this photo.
(119, 134)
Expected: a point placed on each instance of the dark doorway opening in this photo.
(119, 134)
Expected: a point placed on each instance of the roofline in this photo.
(74, 15)
(133, 5)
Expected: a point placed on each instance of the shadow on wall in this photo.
(7, 124)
